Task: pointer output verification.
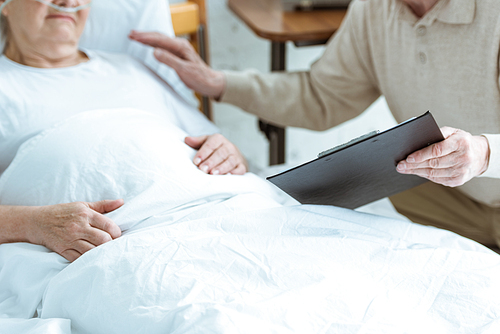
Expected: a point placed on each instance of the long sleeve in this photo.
(339, 86)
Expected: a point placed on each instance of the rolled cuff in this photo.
(493, 170)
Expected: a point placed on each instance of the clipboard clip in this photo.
(349, 143)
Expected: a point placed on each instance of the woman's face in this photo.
(40, 26)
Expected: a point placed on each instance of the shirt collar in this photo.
(458, 12)
(447, 11)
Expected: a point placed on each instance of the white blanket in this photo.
(219, 254)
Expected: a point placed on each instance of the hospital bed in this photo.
(227, 254)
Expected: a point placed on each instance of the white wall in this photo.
(233, 46)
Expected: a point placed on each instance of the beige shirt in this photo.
(446, 62)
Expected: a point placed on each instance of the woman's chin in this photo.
(62, 31)
(62, 40)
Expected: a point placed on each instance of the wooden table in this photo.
(268, 20)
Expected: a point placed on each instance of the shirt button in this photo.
(422, 57)
(421, 31)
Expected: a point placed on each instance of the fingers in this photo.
(158, 40)
(195, 142)
(440, 163)
(92, 238)
(71, 229)
(433, 173)
(169, 59)
(80, 247)
(106, 206)
(105, 224)
(439, 155)
(441, 149)
(96, 236)
(216, 159)
(447, 161)
(83, 246)
(70, 255)
(452, 162)
(442, 177)
(446, 131)
(241, 169)
(208, 147)
(174, 49)
(217, 155)
(222, 162)
(452, 176)
(180, 55)
(234, 163)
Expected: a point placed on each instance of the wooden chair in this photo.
(190, 21)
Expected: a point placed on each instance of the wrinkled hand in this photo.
(217, 156)
(452, 162)
(75, 228)
(181, 56)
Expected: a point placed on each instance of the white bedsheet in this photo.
(219, 254)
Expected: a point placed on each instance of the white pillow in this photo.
(110, 22)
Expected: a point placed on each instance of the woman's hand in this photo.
(217, 156)
(452, 162)
(75, 228)
(180, 55)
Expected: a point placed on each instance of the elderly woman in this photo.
(42, 47)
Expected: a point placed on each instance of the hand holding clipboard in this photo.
(363, 170)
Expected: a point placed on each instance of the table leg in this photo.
(276, 137)
(278, 56)
(275, 134)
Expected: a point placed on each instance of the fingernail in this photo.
(410, 159)
(215, 172)
(401, 166)
(197, 161)
(159, 52)
(204, 168)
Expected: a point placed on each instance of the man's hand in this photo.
(180, 55)
(75, 228)
(216, 155)
(452, 162)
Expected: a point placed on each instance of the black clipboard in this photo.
(362, 170)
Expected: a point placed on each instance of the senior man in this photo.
(438, 55)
